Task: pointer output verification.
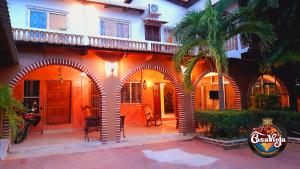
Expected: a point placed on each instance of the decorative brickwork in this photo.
(237, 94)
(65, 62)
(179, 90)
(253, 82)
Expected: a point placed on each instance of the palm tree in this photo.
(8, 109)
(208, 31)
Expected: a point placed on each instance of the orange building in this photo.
(64, 72)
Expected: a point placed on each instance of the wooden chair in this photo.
(122, 120)
(92, 122)
(150, 118)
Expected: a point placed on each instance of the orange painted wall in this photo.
(134, 112)
(202, 100)
(51, 73)
(95, 60)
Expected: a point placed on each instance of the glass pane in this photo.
(38, 19)
(136, 92)
(125, 93)
(31, 88)
(108, 28)
(102, 28)
(168, 37)
(122, 30)
(57, 22)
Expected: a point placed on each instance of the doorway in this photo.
(58, 102)
(149, 91)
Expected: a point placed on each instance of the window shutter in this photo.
(38, 19)
(57, 22)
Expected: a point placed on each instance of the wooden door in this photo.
(58, 102)
(152, 33)
(156, 101)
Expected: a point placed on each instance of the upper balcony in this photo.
(103, 42)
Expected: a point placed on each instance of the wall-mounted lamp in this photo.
(111, 68)
(183, 69)
(144, 84)
(297, 82)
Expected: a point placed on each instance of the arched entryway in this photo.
(210, 79)
(62, 73)
(267, 85)
(164, 77)
(205, 94)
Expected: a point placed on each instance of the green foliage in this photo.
(266, 102)
(233, 124)
(210, 29)
(9, 108)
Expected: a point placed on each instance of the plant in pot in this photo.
(8, 113)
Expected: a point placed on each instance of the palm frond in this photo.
(188, 85)
(263, 30)
(9, 107)
(183, 51)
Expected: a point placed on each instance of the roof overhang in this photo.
(184, 3)
(8, 50)
(125, 6)
(149, 21)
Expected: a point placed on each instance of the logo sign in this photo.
(267, 140)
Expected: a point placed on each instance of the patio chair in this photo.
(122, 120)
(150, 118)
(92, 122)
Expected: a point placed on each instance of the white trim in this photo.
(116, 20)
(47, 11)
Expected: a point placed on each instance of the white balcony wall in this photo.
(84, 17)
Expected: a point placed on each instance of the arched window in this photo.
(270, 85)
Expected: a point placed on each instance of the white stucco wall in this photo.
(84, 18)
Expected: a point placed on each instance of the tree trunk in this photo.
(221, 92)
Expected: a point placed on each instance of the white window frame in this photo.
(117, 21)
(163, 32)
(47, 11)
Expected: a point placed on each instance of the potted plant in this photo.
(8, 114)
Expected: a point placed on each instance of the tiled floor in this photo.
(134, 158)
(71, 140)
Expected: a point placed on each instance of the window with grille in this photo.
(31, 93)
(44, 19)
(131, 92)
(95, 100)
(114, 28)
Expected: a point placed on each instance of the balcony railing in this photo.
(232, 44)
(114, 43)
(51, 37)
(47, 37)
(164, 47)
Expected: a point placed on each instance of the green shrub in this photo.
(232, 124)
(266, 102)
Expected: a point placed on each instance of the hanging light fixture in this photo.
(60, 77)
(144, 84)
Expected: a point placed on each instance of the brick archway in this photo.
(236, 88)
(69, 63)
(255, 79)
(174, 81)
